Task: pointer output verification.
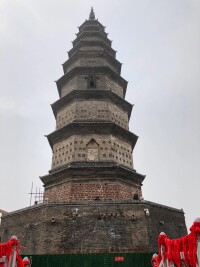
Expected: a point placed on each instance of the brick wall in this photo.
(103, 82)
(82, 228)
(93, 190)
(114, 87)
(66, 115)
(93, 59)
(69, 87)
(92, 48)
(74, 149)
(92, 110)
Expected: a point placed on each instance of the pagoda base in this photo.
(87, 181)
(92, 227)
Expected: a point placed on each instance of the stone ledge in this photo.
(91, 127)
(91, 203)
(105, 94)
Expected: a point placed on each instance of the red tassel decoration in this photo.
(181, 249)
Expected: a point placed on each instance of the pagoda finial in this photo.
(92, 14)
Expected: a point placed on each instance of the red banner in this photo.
(119, 258)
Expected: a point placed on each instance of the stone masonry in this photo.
(93, 227)
(92, 125)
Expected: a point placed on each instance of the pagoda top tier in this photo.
(92, 14)
(92, 21)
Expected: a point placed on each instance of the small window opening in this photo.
(91, 81)
(92, 85)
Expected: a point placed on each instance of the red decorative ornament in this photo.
(154, 260)
(177, 251)
(8, 249)
(26, 261)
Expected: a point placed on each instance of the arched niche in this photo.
(92, 150)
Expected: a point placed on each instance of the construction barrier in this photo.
(92, 260)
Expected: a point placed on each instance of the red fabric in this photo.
(15, 242)
(26, 263)
(187, 245)
(19, 261)
(154, 262)
(7, 248)
(161, 242)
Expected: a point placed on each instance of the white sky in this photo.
(158, 43)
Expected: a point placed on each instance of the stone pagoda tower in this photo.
(92, 200)
(92, 145)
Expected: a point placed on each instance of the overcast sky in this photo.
(158, 42)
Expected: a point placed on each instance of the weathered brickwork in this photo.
(98, 45)
(92, 58)
(77, 148)
(94, 35)
(92, 38)
(92, 110)
(119, 116)
(91, 190)
(63, 152)
(122, 152)
(103, 82)
(92, 227)
(93, 48)
(70, 86)
(66, 115)
(113, 86)
(89, 28)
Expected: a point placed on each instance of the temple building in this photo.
(93, 200)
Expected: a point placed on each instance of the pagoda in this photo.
(92, 194)
(92, 145)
